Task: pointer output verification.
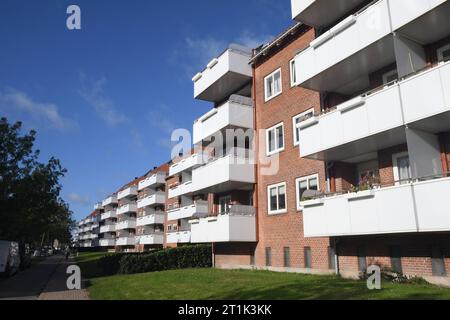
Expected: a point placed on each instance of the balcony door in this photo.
(402, 168)
(224, 204)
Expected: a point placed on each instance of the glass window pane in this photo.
(277, 84)
(313, 184)
(273, 199)
(280, 137)
(271, 141)
(281, 198)
(269, 86)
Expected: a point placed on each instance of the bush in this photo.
(198, 256)
(109, 264)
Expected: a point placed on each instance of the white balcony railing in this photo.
(158, 198)
(98, 206)
(179, 190)
(237, 226)
(224, 174)
(224, 75)
(108, 228)
(150, 239)
(131, 191)
(150, 219)
(380, 211)
(107, 242)
(126, 224)
(189, 163)
(178, 237)
(236, 113)
(198, 209)
(156, 179)
(109, 215)
(111, 200)
(370, 116)
(126, 241)
(128, 208)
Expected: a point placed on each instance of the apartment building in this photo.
(87, 233)
(383, 73)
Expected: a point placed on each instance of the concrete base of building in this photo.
(278, 269)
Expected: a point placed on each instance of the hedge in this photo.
(109, 264)
(197, 256)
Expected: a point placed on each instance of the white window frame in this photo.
(297, 189)
(294, 125)
(292, 72)
(440, 52)
(388, 74)
(272, 75)
(395, 158)
(275, 212)
(276, 150)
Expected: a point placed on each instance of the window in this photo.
(296, 120)
(303, 184)
(287, 257)
(293, 73)
(390, 76)
(368, 172)
(444, 53)
(277, 198)
(307, 257)
(268, 257)
(224, 204)
(402, 168)
(331, 258)
(275, 139)
(272, 85)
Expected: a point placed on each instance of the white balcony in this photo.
(150, 219)
(108, 215)
(198, 209)
(128, 193)
(233, 227)
(159, 198)
(156, 179)
(98, 206)
(224, 75)
(107, 242)
(112, 200)
(128, 208)
(87, 244)
(126, 241)
(150, 239)
(188, 164)
(376, 121)
(224, 174)
(108, 228)
(319, 13)
(236, 113)
(338, 60)
(381, 211)
(178, 237)
(126, 224)
(179, 190)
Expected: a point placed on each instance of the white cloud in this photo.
(78, 199)
(44, 114)
(92, 91)
(251, 40)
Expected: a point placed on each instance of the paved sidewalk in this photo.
(56, 288)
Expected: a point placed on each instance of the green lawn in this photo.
(205, 284)
(87, 261)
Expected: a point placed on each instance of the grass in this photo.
(208, 284)
(87, 261)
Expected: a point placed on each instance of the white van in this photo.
(9, 258)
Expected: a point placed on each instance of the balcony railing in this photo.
(412, 206)
(224, 75)
(152, 181)
(112, 200)
(128, 192)
(363, 121)
(129, 223)
(178, 237)
(108, 228)
(108, 215)
(189, 163)
(235, 113)
(179, 190)
(198, 209)
(151, 219)
(149, 239)
(158, 198)
(126, 241)
(238, 225)
(128, 208)
(98, 206)
(107, 242)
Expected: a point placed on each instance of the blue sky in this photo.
(106, 98)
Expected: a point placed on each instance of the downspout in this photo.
(256, 156)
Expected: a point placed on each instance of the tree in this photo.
(30, 203)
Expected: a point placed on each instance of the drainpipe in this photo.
(256, 155)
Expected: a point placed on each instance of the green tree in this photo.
(30, 203)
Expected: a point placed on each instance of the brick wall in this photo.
(385, 163)
(286, 230)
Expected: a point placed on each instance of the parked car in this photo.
(9, 258)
